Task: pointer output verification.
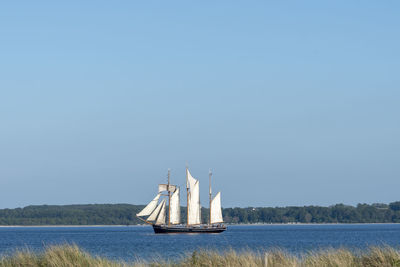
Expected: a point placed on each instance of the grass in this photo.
(73, 256)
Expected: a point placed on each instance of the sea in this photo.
(130, 243)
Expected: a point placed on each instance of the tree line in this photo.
(125, 214)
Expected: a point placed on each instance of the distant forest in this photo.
(124, 214)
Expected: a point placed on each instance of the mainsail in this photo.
(175, 209)
(153, 216)
(150, 207)
(194, 207)
(216, 213)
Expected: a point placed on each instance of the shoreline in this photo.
(143, 225)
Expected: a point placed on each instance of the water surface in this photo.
(130, 242)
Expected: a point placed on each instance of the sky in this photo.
(288, 102)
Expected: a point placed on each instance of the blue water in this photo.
(132, 242)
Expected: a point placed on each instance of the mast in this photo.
(209, 176)
(169, 199)
(187, 193)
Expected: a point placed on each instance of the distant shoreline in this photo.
(124, 214)
(53, 225)
(144, 225)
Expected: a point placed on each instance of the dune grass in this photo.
(73, 256)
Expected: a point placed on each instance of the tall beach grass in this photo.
(73, 256)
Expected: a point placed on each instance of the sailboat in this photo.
(156, 210)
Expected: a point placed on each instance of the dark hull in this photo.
(165, 229)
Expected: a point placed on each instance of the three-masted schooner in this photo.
(156, 210)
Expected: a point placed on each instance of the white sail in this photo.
(150, 207)
(175, 211)
(190, 180)
(194, 204)
(154, 214)
(164, 187)
(161, 215)
(216, 213)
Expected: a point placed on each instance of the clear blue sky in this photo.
(290, 103)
